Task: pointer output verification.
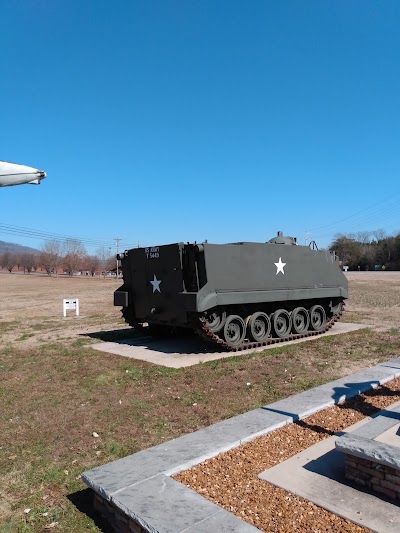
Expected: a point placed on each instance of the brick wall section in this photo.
(377, 477)
(119, 522)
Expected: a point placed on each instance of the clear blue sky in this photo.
(182, 120)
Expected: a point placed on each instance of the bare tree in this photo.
(74, 256)
(105, 256)
(50, 256)
(29, 261)
(18, 260)
(92, 264)
(379, 234)
(363, 237)
(358, 252)
(111, 263)
(8, 261)
(347, 248)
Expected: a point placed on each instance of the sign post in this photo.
(70, 305)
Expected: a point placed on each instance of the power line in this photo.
(365, 212)
(383, 214)
(30, 233)
(39, 234)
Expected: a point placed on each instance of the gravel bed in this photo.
(230, 479)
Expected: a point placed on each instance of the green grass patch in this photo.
(24, 337)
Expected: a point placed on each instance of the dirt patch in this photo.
(374, 299)
(31, 307)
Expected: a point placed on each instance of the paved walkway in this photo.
(140, 484)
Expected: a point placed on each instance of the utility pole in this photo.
(306, 237)
(117, 239)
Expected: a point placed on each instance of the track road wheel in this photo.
(317, 317)
(259, 327)
(234, 330)
(281, 323)
(300, 320)
(215, 319)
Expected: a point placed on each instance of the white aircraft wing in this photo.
(13, 174)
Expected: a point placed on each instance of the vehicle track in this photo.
(205, 333)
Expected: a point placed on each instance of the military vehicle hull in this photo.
(238, 295)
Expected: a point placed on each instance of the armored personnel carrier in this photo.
(238, 296)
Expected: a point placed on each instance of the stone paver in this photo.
(381, 452)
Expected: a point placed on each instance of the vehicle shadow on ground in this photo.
(83, 501)
(186, 345)
(113, 335)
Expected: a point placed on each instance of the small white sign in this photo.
(345, 268)
(71, 304)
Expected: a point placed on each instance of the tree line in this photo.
(69, 257)
(359, 251)
(368, 250)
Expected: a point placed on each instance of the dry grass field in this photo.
(56, 392)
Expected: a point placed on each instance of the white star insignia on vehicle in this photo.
(279, 266)
(156, 284)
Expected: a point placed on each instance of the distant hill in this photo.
(16, 248)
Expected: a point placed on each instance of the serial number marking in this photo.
(152, 253)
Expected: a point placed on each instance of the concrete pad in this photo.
(384, 426)
(317, 474)
(188, 351)
(391, 436)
